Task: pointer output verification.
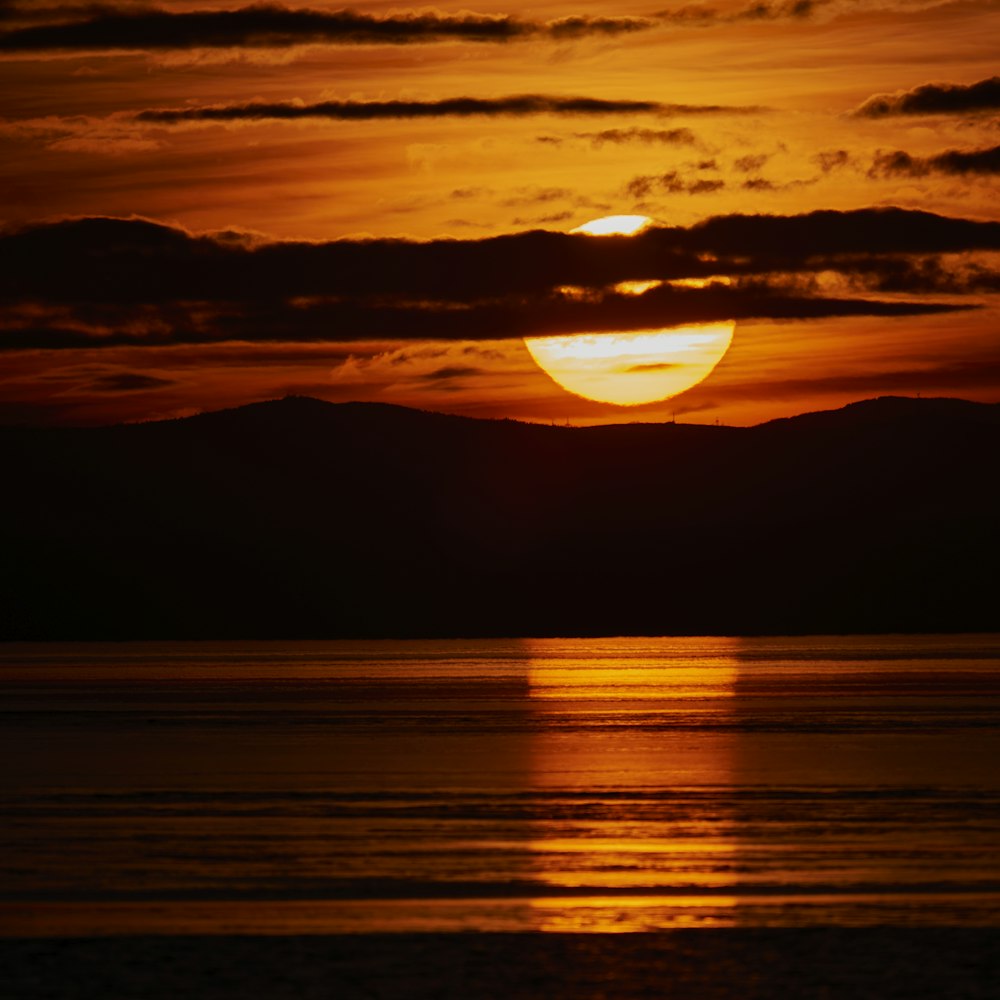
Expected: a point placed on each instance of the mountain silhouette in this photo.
(300, 518)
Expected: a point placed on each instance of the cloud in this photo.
(704, 186)
(699, 15)
(110, 28)
(620, 136)
(511, 317)
(751, 164)
(110, 136)
(129, 382)
(135, 27)
(660, 366)
(518, 105)
(924, 276)
(104, 259)
(958, 162)
(579, 25)
(543, 220)
(934, 99)
(107, 281)
(670, 182)
(123, 27)
(120, 145)
(450, 372)
(832, 159)
(121, 133)
(797, 238)
(538, 196)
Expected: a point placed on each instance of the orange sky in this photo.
(745, 109)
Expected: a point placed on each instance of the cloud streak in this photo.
(109, 28)
(934, 99)
(274, 26)
(957, 162)
(622, 136)
(671, 182)
(700, 15)
(518, 105)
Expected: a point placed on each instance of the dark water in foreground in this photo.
(534, 785)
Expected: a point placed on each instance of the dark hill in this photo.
(298, 518)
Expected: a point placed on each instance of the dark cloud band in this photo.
(104, 281)
(111, 27)
(958, 162)
(935, 99)
(275, 26)
(110, 259)
(346, 321)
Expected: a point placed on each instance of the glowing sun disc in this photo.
(642, 366)
(632, 368)
(614, 225)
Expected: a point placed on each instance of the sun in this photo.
(632, 368)
(642, 366)
(614, 225)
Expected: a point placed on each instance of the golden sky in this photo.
(207, 203)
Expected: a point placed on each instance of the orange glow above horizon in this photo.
(777, 133)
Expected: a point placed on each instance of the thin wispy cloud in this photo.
(120, 133)
(623, 136)
(820, 12)
(829, 160)
(671, 182)
(700, 15)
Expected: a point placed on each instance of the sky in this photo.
(204, 203)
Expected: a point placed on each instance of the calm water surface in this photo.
(609, 784)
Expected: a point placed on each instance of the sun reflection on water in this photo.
(634, 844)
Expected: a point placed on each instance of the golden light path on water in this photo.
(634, 865)
(642, 366)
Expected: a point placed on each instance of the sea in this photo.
(517, 785)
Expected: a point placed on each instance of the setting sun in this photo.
(642, 366)
(614, 225)
(631, 368)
